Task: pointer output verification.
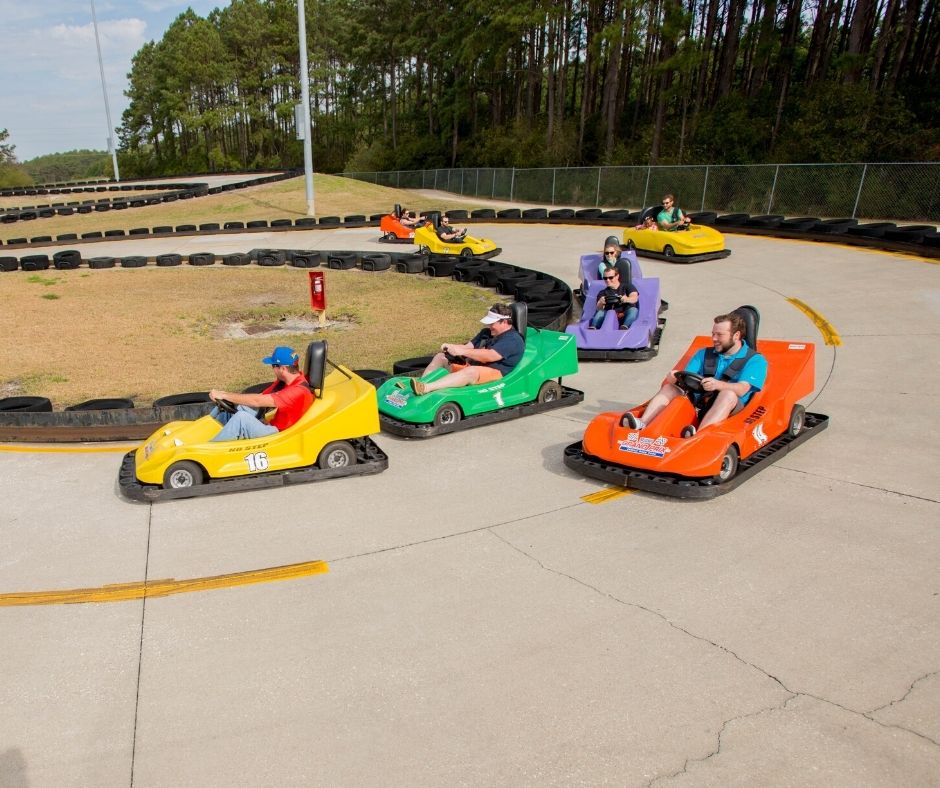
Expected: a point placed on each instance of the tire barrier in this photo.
(67, 259)
(272, 257)
(34, 262)
(238, 258)
(202, 258)
(133, 261)
(342, 261)
(306, 259)
(378, 261)
(25, 405)
(99, 263)
(109, 403)
(168, 260)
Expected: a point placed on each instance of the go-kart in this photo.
(533, 386)
(393, 231)
(717, 458)
(429, 241)
(609, 342)
(331, 439)
(694, 243)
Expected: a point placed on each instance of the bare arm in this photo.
(249, 400)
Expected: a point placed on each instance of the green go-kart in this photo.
(533, 386)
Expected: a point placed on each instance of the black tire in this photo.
(133, 261)
(9, 263)
(100, 263)
(535, 213)
(186, 228)
(257, 388)
(272, 257)
(338, 454)
(668, 251)
(281, 223)
(373, 376)
(509, 213)
(561, 213)
(441, 266)
(236, 258)
(797, 421)
(306, 259)
(233, 226)
(26, 404)
(448, 414)
(256, 223)
(729, 464)
(67, 259)
(330, 220)
(166, 260)
(114, 233)
(112, 403)
(343, 261)
(208, 226)
(189, 398)
(376, 261)
(412, 264)
(182, 475)
(408, 365)
(483, 213)
(550, 391)
(34, 262)
(202, 258)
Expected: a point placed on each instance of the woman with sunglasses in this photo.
(620, 297)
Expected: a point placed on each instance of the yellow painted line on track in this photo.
(123, 592)
(607, 494)
(67, 449)
(830, 335)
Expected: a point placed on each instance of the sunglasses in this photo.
(608, 278)
(611, 254)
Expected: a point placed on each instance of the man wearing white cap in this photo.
(491, 354)
(288, 393)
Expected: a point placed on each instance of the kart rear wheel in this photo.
(549, 392)
(729, 464)
(338, 454)
(797, 421)
(183, 474)
(424, 250)
(669, 251)
(391, 237)
(447, 414)
(466, 253)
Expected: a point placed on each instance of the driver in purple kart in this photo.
(731, 372)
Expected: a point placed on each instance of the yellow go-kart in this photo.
(428, 239)
(693, 244)
(180, 460)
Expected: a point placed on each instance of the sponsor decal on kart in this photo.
(649, 447)
(148, 449)
(396, 399)
(759, 435)
(794, 346)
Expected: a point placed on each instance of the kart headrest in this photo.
(316, 365)
(397, 211)
(751, 324)
(435, 218)
(520, 316)
(653, 211)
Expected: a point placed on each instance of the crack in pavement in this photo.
(857, 484)
(904, 697)
(791, 692)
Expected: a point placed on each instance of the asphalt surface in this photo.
(482, 622)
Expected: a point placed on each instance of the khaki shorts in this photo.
(487, 374)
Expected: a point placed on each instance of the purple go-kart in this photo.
(609, 343)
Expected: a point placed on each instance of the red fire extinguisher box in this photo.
(317, 291)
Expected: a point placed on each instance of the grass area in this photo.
(147, 332)
(333, 196)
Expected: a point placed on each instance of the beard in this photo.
(724, 347)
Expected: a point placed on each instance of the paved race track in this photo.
(489, 620)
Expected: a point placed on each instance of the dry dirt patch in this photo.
(144, 333)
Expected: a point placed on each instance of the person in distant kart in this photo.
(411, 219)
(289, 393)
(624, 294)
(671, 218)
(732, 372)
(649, 223)
(447, 233)
(492, 353)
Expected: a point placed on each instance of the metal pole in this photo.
(773, 189)
(104, 89)
(859, 195)
(704, 188)
(646, 190)
(305, 96)
(597, 195)
(554, 175)
(512, 184)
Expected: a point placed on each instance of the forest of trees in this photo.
(398, 84)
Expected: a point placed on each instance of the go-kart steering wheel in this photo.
(452, 359)
(611, 301)
(225, 406)
(689, 381)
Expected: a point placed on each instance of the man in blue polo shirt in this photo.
(732, 371)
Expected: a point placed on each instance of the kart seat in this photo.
(397, 211)
(653, 211)
(520, 316)
(316, 365)
(751, 324)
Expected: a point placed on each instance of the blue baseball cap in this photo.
(283, 356)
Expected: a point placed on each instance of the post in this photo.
(704, 188)
(646, 189)
(597, 195)
(107, 108)
(512, 184)
(773, 189)
(858, 196)
(554, 175)
(305, 97)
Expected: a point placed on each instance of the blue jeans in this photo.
(242, 425)
(629, 317)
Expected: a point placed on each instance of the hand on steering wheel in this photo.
(454, 359)
(689, 381)
(225, 406)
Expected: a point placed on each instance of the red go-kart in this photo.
(393, 231)
(717, 458)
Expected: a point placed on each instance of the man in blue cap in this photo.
(288, 393)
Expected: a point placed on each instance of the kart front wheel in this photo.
(549, 392)
(669, 251)
(466, 253)
(729, 464)
(183, 474)
(797, 421)
(338, 454)
(447, 414)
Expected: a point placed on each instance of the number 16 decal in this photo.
(257, 461)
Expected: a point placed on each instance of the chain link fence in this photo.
(904, 192)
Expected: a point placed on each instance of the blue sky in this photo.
(50, 87)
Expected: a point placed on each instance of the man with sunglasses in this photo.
(620, 297)
(289, 393)
(671, 217)
(447, 233)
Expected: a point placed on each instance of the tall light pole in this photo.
(305, 111)
(104, 89)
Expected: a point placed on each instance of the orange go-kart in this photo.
(718, 458)
(393, 231)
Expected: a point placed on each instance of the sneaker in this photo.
(631, 421)
(688, 432)
(418, 387)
